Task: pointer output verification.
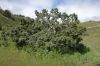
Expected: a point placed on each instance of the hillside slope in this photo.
(7, 23)
(93, 38)
(90, 23)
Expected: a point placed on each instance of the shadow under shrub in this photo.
(81, 48)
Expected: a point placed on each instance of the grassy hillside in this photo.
(7, 22)
(11, 24)
(89, 23)
(93, 39)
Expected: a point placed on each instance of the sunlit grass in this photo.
(89, 24)
(13, 57)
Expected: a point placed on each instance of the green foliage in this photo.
(0, 27)
(6, 13)
(48, 33)
(1, 11)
